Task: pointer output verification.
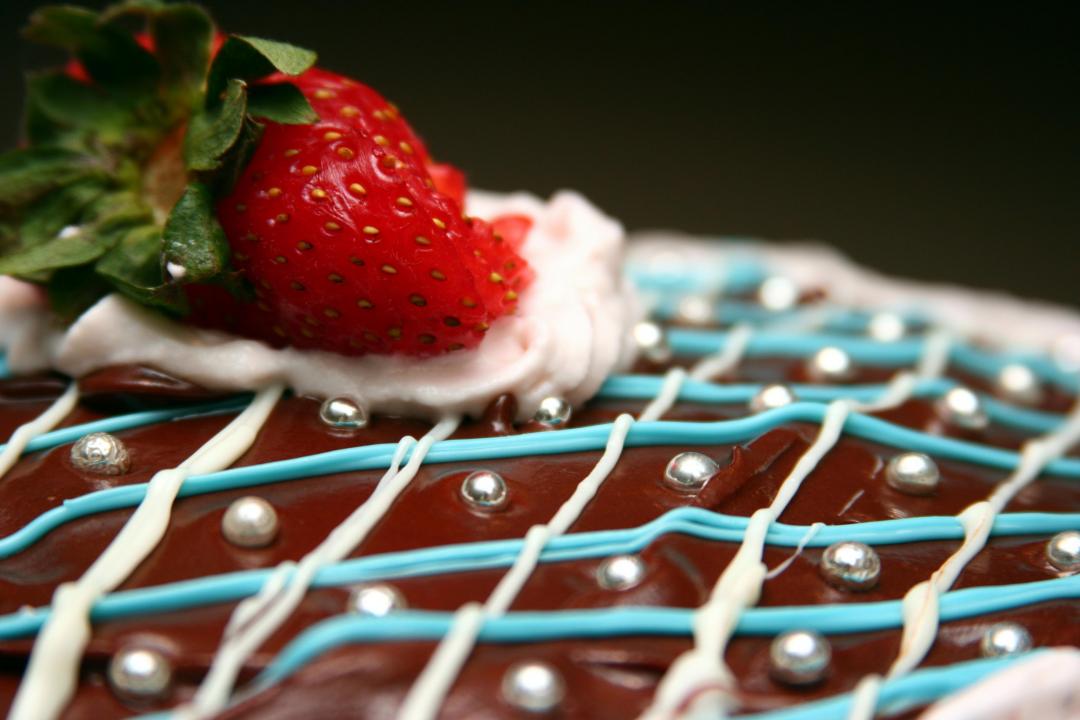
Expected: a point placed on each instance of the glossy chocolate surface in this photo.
(605, 677)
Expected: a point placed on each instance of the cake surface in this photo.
(298, 425)
(575, 592)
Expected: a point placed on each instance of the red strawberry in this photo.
(349, 243)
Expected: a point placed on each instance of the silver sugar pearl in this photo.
(829, 365)
(963, 408)
(139, 673)
(778, 294)
(771, 397)
(695, 310)
(690, 470)
(621, 572)
(533, 686)
(851, 565)
(1018, 383)
(100, 453)
(652, 341)
(344, 413)
(886, 326)
(484, 490)
(913, 473)
(553, 411)
(1004, 638)
(1063, 551)
(250, 522)
(376, 600)
(799, 657)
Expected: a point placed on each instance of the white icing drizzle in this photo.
(706, 369)
(669, 393)
(430, 688)
(43, 423)
(256, 618)
(920, 606)
(813, 530)
(52, 673)
(739, 586)
(737, 341)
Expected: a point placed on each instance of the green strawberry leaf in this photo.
(68, 102)
(66, 249)
(62, 26)
(281, 103)
(28, 173)
(193, 237)
(133, 267)
(213, 131)
(249, 58)
(233, 164)
(61, 208)
(182, 35)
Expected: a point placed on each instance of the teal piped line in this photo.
(918, 688)
(647, 387)
(465, 557)
(740, 274)
(378, 457)
(5, 370)
(867, 351)
(625, 621)
(118, 423)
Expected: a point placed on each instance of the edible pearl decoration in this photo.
(771, 397)
(343, 412)
(851, 565)
(913, 473)
(533, 686)
(375, 600)
(695, 310)
(553, 411)
(484, 490)
(250, 522)
(886, 327)
(963, 408)
(778, 294)
(1063, 551)
(621, 572)
(829, 365)
(100, 453)
(1018, 383)
(138, 673)
(652, 341)
(1006, 638)
(690, 470)
(799, 657)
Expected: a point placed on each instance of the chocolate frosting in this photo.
(613, 677)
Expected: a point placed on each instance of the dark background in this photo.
(929, 142)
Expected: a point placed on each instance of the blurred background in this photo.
(935, 143)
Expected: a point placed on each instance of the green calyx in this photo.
(128, 148)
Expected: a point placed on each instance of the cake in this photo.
(654, 476)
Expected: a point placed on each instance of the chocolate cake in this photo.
(705, 478)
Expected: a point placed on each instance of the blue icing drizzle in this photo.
(626, 621)
(378, 457)
(696, 522)
(919, 688)
(645, 387)
(867, 351)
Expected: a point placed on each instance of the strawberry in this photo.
(228, 182)
(341, 228)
